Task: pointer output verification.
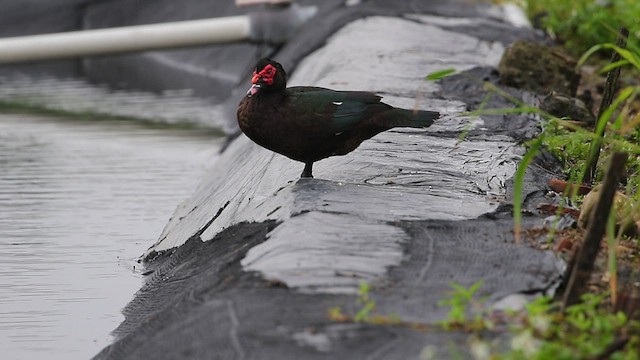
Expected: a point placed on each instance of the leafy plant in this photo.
(367, 312)
(367, 303)
(585, 330)
(541, 331)
(461, 299)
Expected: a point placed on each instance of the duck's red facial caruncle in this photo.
(265, 76)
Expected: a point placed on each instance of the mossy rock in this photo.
(541, 69)
(561, 106)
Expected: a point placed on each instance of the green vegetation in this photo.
(617, 130)
(366, 312)
(437, 75)
(461, 302)
(570, 148)
(539, 332)
(586, 330)
(581, 24)
(368, 304)
(619, 122)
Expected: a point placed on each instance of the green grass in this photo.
(570, 148)
(581, 24)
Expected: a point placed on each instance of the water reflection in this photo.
(79, 202)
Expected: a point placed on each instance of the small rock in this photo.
(564, 222)
(538, 68)
(561, 105)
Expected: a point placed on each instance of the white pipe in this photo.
(124, 39)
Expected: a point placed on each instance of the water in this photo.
(79, 202)
(77, 95)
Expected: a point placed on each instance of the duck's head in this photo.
(268, 76)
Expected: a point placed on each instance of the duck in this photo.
(308, 123)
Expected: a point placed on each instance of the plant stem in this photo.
(578, 275)
(607, 98)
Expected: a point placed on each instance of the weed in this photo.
(367, 303)
(367, 312)
(541, 331)
(462, 299)
(569, 147)
(367, 306)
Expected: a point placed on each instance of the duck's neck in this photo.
(270, 96)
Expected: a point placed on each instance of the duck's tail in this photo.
(407, 118)
(416, 118)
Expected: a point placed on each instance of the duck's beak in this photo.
(253, 90)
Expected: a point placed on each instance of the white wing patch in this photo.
(337, 103)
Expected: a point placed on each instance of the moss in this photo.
(571, 149)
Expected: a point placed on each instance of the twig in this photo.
(607, 98)
(577, 276)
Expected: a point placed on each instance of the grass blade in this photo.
(437, 75)
(519, 183)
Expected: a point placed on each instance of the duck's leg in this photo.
(306, 173)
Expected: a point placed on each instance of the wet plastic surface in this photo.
(199, 303)
(402, 174)
(405, 212)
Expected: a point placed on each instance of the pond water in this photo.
(80, 201)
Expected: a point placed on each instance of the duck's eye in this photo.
(268, 71)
